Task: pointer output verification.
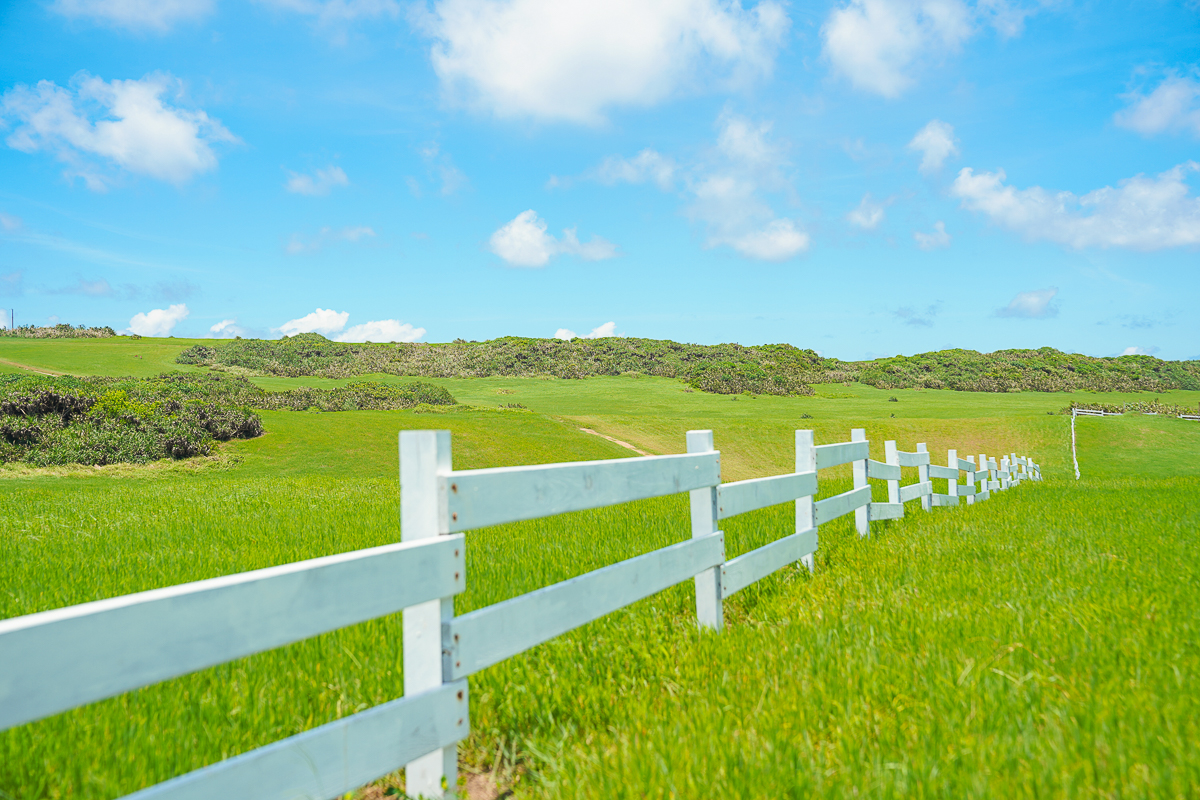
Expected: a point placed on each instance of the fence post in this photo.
(923, 477)
(709, 611)
(984, 486)
(861, 519)
(424, 455)
(971, 480)
(891, 456)
(806, 461)
(1004, 482)
(952, 483)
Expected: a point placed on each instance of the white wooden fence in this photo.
(144, 638)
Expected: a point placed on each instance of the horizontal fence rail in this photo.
(145, 638)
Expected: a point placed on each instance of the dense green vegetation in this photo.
(723, 369)
(66, 420)
(1043, 643)
(54, 421)
(61, 331)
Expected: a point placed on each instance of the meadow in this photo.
(1044, 643)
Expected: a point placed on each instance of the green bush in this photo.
(60, 331)
(55, 421)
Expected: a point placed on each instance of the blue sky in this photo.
(863, 178)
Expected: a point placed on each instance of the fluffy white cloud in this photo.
(725, 187)
(158, 321)
(605, 331)
(154, 15)
(933, 240)
(318, 184)
(572, 59)
(327, 322)
(382, 330)
(1141, 213)
(647, 165)
(877, 44)
(125, 122)
(298, 244)
(935, 142)
(1037, 304)
(523, 242)
(1139, 351)
(226, 329)
(323, 321)
(777, 241)
(868, 215)
(1174, 105)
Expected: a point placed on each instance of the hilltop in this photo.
(779, 369)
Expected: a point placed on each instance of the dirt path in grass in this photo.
(614, 440)
(38, 370)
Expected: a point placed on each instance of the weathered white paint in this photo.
(742, 496)
(806, 461)
(424, 459)
(881, 471)
(891, 454)
(329, 761)
(757, 564)
(880, 511)
(481, 497)
(56, 660)
(918, 459)
(832, 455)
(484, 637)
(862, 523)
(831, 508)
(709, 607)
(923, 476)
(915, 490)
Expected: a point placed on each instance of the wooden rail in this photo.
(145, 638)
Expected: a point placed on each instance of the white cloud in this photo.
(868, 215)
(936, 143)
(319, 184)
(1139, 351)
(1174, 105)
(125, 122)
(323, 321)
(605, 331)
(777, 241)
(647, 165)
(573, 59)
(159, 321)
(298, 244)
(877, 44)
(724, 188)
(154, 15)
(523, 242)
(1141, 213)
(383, 330)
(452, 177)
(226, 329)
(1036, 304)
(932, 241)
(10, 223)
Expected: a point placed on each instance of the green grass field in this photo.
(1045, 643)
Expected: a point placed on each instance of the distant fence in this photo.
(144, 638)
(1100, 412)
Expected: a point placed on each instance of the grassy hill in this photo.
(1043, 643)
